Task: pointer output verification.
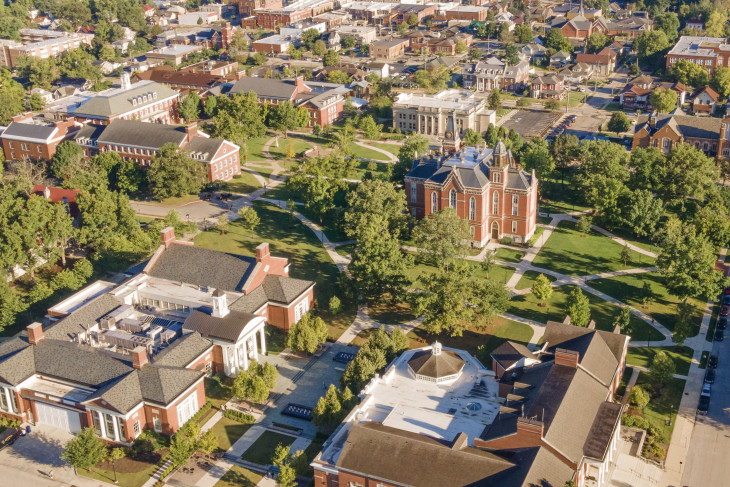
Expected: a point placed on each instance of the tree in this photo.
(375, 198)
(309, 38)
(210, 107)
(720, 81)
(536, 155)
(328, 411)
(67, 160)
(335, 305)
(239, 118)
(12, 94)
(287, 476)
(619, 122)
(174, 173)
(596, 41)
(41, 73)
(378, 266)
(554, 40)
(189, 107)
(688, 173)
(330, 58)
(638, 397)
(715, 24)
(523, 33)
(208, 442)
(77, 63)
(307, 334)
(285, 116)
(626, 255)
(542, 288)
(338, 76)
(319, 48)
(662, 368)
(412, 20)
(565, 149)
(254, 383)
(646, 167)
(623, 320)
(647, 294)
(370, 128)
(713, 221)
(455, 299)
(683, 325)
(552, 105)
(645, 212)
(669, 23)
(348, 42)
(183, 443)
(579, 308)
(442, 237)
(601, 180)
(249, 218)
(471, 138)
(474, 54)
(495, 100)
(413, 147)
(511, 54)
(687, 261)
(223, 224)
(690, 73)
(651, 42)
(84, 450)
(36, 103)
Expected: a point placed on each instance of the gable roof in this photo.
(183, 350)
(119, 100)
(284, 290)
(227, 328)
(142, 134)
(509, 353)
(265, 88)
(29, 131)
(686, 125)
(205, 147)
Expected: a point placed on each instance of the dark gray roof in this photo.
(29, 130)
(90, 131)
(81, 319)
(558, 335)
(162, 384)
(119, 101)
(688, 126)
(203, 267)
(142, 134)
(17, 363)
(444, 364)
(602, 430)
(249, 303)
(228, 328)
(183, 350)
(265, 87)
(284, 290)
(510, 353)
(207, 147)
(81, 364)
(122, 395)
(382, 452)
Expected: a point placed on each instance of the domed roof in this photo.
(436, 363)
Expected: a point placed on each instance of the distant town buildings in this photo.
(708, 52)
(42, 44)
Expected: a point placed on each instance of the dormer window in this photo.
(134, 102)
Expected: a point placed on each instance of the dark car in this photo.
(712, 361)
(8, 437)
(725, 310)
(722, 323)
(710, 376)
(727, 290)
(704, 405)
(719, 336)
(726, 299)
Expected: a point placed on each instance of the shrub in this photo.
(8, 423)
(635, 422)
(239, 416)
(335, 305)
(506, 241)
(150, 441)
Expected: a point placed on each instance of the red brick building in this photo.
(246, 7)
(708, 52)
(392, 48)
(665, 131)
(28, 139)
(485, 187)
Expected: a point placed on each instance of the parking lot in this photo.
(531, 123)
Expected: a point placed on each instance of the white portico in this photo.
(236, 356)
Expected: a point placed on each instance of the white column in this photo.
(116, 428)
(6, 391)
(245, 355)
(102, 424)
(255, 348)
(262, 342)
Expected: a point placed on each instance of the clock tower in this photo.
(452, 140)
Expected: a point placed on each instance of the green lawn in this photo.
(239, 477)
(287, 238)
(345, 250)
(392, 148)
(381, 168)
(243, 183)
(710, 336)
(228, 432)
(528, 279)
(254, 148)
(642, 356)
(328, 223)
(365, 153)
(603, 312)
(477, 342)
(568, 252)
(663, 406)
(262, 449)
(662, 307)
(298, 145)
(509, 255)
(130, 472)
(498, 273)
(218, 389)
(145, 219)
(391, 314)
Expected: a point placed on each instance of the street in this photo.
(710, 442)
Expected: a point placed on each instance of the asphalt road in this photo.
(706, 463)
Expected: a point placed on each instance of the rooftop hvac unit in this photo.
(125, 340)
(132, 325)
(118, 313)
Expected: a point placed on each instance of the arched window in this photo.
(472, 208)
(434, 203)
(495, 203)
(452, 198)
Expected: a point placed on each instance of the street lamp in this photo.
(114, 468)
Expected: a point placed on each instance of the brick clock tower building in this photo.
(484, 186)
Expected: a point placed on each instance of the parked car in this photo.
(706, 389)
(727, 290)
(719, 336)
(712, 361)
(722, 323)
(704, 405)
(725, 310)
(8, 437)
(710, 376)
(726, 299)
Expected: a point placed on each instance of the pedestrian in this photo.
(50, 474)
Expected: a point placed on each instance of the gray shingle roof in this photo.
(82, 318)
(119, 101)
(203, 146)
(77, 363)
(162, 384)
(265, 88)
(688, 126)
(249, 303)
(142, 134)
(203, 267)
(122, 395)
(183, 350)
(29, 130)
(284, 289)
(510, 353)
(602, 430)
(18, 362)
(90, 131)
(228, 328)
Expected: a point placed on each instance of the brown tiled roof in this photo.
(602, 430)
(442, 365)
(165, 74)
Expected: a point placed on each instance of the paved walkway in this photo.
(390, 157)
(363, 321)
(632, 382)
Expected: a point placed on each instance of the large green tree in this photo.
(536, 155)
(579, 308)
(307, 334)
(375, 197)
(688, 173)
(442, 237)
(663, 101)
(285, 116)
(174, 173)
(413, 147)
(189, 107)
(84, 450)
(254, 383)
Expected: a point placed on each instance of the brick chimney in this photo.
(530, 428)
(262, 252)
(569, 358)
(299, 83)
(167, 236)
(139, 357)
(22, 116)
(191, 130)
(35, 333)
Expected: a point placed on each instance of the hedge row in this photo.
(239, 416)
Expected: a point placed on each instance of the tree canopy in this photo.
(174, 173)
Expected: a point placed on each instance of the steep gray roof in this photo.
(162, 384)
(81, 319)
(90, 131)
(203, 267)
(444, 364)
(249, 303)
(207, 147)
(228, 328)
(183, 350)
(117, 101)
(284, 289)
(122, 395)
(559, 335)
(29, 130)
(81, 364)
(601, 433)
(510, 353)
(17, 362)
(265, 87)
(142, 134)
(688, 126)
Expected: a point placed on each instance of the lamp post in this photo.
(114, 468)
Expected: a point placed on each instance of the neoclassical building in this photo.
(485, 187)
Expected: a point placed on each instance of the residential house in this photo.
(695, 24)
(56, 195)
(708, 52)
(705, 101)
(484, 186)
(403, 12)
(666, 130)
(391, 48)
(635, 95)
(629, 27)
(560, 59)
(492, 73)
(576, 73)
(533, 53)
(550, 86)
(603, 62)
(442, 43)
(29, 139)
(324, 108)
